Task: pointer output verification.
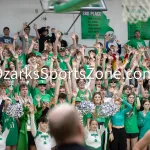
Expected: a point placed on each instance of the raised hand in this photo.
(17, 97)
(97, 35)
(35, 26)
(140, 82)
(26, 37)
(38, 98)
(136, 91)
(31, 109)
(58, 34)
(15, 36)
(46, 43)
(74, 63)
(73, 36)
(24, 25)
(67, 60)
(105, 56)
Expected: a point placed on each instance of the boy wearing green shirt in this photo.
(61, 56)
(41, 93)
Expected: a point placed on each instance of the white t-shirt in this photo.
(93, 139)
(44, 141)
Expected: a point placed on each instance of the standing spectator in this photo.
(136, 43)
(44, 36)
(6, 38)
(63, 42)
(26, 31)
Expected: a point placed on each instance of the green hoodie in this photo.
(23, 136)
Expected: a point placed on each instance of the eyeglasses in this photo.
(113, 82)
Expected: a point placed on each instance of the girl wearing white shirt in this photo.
(43, 140)
(3, 137)
(93, 136)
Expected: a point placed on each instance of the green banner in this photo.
(94, 22)
(143, 27)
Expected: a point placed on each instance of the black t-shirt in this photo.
(41, 42)
(73, 146)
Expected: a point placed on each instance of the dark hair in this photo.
(113, 80)
(43, 120)
(2, 85)
(62, 87)
(87, 57)
(144, 101)
(100, 44)
(62, 96)
(137, 31)
(31, 55)
(79, 80)
(23, 85)
(27, 27)
(127, 87)
(6, 28)
(45, 67)
(81, 68)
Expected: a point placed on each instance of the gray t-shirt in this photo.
(24, 42)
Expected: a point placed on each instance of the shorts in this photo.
(30, 138)
(132, 135)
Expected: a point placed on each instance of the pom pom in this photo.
(86, 107)
(107, 109)
(14, 110)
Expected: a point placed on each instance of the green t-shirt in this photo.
(98, 119)
(50, 55)
(51, 92)
(22, 58)
(135, 43)
(44, 98)
(62, 64)
(47, 63)
(87, 69)
(37, 53)
(131, 124)
(7, 61)
(82, 94)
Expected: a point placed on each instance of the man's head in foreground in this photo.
(65, 125)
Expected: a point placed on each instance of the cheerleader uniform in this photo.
(3, 137)
(93, 139)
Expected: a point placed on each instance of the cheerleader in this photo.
(143, 120)
(41, 137)
(3, 136)
(93, 136)
(97, 100)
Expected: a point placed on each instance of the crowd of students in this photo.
(43, 71)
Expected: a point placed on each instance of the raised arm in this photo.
(57, 88)
(129, 107)
(36, 31)
(74, 40)
(56, 42)
(74, 84)
(33, 126)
